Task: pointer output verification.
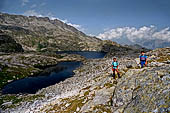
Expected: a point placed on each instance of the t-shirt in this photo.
(115, 64)
(143, 58)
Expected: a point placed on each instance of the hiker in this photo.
(143, 59)
(115, 65)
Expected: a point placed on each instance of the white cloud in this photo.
(79, 27)
(52, 17)
(32, 13)
(64, 21)
(133, 34)
(24, 2)
(92, 35)
(164, 34)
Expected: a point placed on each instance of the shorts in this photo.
(142, 63)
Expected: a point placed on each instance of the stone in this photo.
(7, 104)
(67, 104)
(92, 89)
(78, 109)
(9, 80)
(52, 35)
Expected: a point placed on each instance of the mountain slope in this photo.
(147, 43)
(8, 44)
(41, 33)
(93, 90)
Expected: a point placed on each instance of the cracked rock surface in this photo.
(93, 90)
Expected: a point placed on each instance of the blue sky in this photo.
(96, 16)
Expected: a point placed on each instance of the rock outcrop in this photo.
(118, 50)
(8, 44)
(20, 65)
(43, 34)
(92, 89)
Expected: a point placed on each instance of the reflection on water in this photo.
(32, 84)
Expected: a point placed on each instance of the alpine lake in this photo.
(31, 85)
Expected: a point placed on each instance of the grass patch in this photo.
(97, 88)
(102, 108)
(108, 85)
(11, 73)
(86, 93)
(125, 70)
(16, 100)
(74, 103)
(163, 58)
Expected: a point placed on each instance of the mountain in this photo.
(8, 44)
(93, 90)
(137, 46)
(147, 43)
(157, 43)
(118, 50)
(43, 34)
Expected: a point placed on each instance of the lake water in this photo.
(86, 54)
(32, 84)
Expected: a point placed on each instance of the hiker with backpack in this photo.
(143, 59)
(115, 65)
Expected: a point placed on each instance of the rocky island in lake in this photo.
(36, 47)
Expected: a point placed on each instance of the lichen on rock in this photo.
(93, 89)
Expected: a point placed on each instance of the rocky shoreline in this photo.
(20, 65)
(92, 88)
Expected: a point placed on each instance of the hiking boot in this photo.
(119, 75)
(114, 77)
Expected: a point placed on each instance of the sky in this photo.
(99, 17)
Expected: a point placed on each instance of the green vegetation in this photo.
(15, 100)
(39, 47)
(86, 93)
(70, 105)
(11, 73)
(108, 85)
(74, 105)
(97, 88)
(163, 58)
(73, 102)
(102, 108)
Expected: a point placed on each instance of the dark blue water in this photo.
(32, 84)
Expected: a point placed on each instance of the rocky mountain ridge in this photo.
(43, 34)
(14, 66)
(8, 44)
(92, 88)
(154, 43)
